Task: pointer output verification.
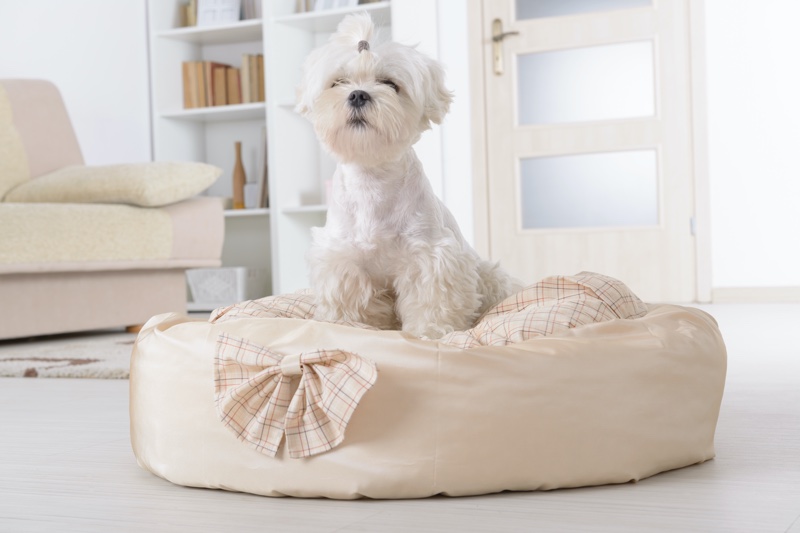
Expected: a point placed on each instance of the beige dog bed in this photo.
(571, 382)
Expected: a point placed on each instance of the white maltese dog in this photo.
(390, 254)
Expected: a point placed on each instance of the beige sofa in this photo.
(91, 247)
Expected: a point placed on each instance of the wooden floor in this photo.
(66, 465)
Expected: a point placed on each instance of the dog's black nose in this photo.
(358, 98)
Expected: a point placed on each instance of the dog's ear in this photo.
(437, 96)
(302, 106)
(315, 71)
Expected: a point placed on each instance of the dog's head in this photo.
(369, 104)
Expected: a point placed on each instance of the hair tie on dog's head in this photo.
(363, 45)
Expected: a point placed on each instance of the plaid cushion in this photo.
(553, 305)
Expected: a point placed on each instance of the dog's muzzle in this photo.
(358, 99)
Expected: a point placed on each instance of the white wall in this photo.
(753, 52)
(96, 52)
(456, 136)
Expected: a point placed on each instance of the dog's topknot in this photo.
(354, 29)
(322, 63)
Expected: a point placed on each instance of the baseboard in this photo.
(755, 295)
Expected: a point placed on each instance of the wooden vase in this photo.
(239, 179)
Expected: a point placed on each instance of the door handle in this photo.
(497, 44)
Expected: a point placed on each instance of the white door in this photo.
(588, 113)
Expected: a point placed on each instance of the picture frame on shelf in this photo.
(322, 5)
(218, 12)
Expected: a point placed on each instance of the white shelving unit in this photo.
(245, 30)
(276, 238)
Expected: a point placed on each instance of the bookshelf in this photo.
(275, 238)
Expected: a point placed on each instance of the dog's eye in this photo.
(391, 84)
(338, 82)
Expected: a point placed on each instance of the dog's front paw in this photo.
(428, 331)
(325, 313)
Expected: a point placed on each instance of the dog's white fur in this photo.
(391, 253)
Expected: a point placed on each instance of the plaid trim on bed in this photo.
(549, 307)
(252, 386)
(297, 305)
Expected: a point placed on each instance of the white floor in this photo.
(66, 465)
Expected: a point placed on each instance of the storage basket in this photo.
(222, 286)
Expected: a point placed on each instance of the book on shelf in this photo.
(200, 81)
(189, 13)
(251, 9)
(220, 85)
(189, 83)
(234, 86)
(252, 62)
(252, 78)
(262, 90)
(208, 83)
(210, 75)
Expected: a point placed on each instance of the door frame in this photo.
(480, 47)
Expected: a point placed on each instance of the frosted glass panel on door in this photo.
(586, 84)
(530, 9)
(614, 189)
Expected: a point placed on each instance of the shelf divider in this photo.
(220, 113)
(321, 208)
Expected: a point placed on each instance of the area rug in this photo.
(104, 355)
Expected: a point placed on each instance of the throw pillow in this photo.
(142, 184)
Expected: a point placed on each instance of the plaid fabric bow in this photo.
(253, 390)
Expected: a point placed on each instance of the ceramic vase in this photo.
(239, 179)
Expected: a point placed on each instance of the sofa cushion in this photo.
(140, 184)
(46, 233)
(76, 237)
